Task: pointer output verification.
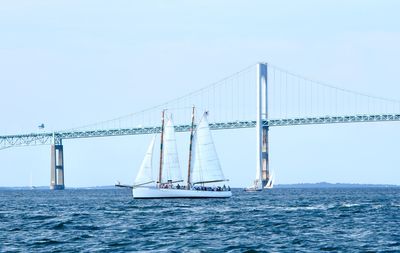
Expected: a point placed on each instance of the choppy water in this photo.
(283, 220)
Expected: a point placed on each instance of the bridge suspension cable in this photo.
(229, 98)
(295, 96)
(232, 98)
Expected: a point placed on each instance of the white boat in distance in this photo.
(257, 185)
(203, 167)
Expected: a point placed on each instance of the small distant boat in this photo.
(258, 184)
(254, 188)
(118, 184)
(203, 167)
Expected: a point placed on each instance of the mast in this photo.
(190, 150)
(161, 146)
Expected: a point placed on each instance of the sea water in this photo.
(279, 220)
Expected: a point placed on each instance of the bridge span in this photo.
(34, 139)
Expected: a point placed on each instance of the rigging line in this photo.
(324, 109)
(316, 89)
(319, 101)
(274, 106)
(280, 94)
(238, 99)
(243, 95)
(298, 98)
(332, 86)
(226, 112)
(286, 96)
(332, 98)
(208, 99)
(311, 97)
(386, 107)
(355, 104)
(214, 104)
(221, 114)
(231, 86)
(336, 101)
(322, 101)
(237, 105)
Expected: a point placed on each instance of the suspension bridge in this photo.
(260, 96)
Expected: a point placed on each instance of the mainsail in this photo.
(170, 167)
(145, 174)
(206, 167)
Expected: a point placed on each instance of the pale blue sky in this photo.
(69, 63)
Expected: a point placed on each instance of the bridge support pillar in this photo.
(262, 152)
(57, 166)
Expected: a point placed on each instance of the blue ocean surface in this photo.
(280, 220)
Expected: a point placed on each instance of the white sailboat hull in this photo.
(157, 193)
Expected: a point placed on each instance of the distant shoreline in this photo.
(322, 185)
(334, 185)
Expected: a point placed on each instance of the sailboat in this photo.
(203, 166)
(258, 184)
(256, 187)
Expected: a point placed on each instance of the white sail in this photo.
(270, 183)
(145, 174)
(206, 166)
(170, 168)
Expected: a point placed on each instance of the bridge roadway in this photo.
(32, 139)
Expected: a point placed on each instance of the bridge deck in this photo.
(31, 139)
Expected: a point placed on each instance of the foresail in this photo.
(145, 174)
(270, 183)
(206, 166)
(170, 169)
(271, 180)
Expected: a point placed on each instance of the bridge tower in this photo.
(57, 165)
(262, 151)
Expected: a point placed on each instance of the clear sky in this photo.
(69, 63)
